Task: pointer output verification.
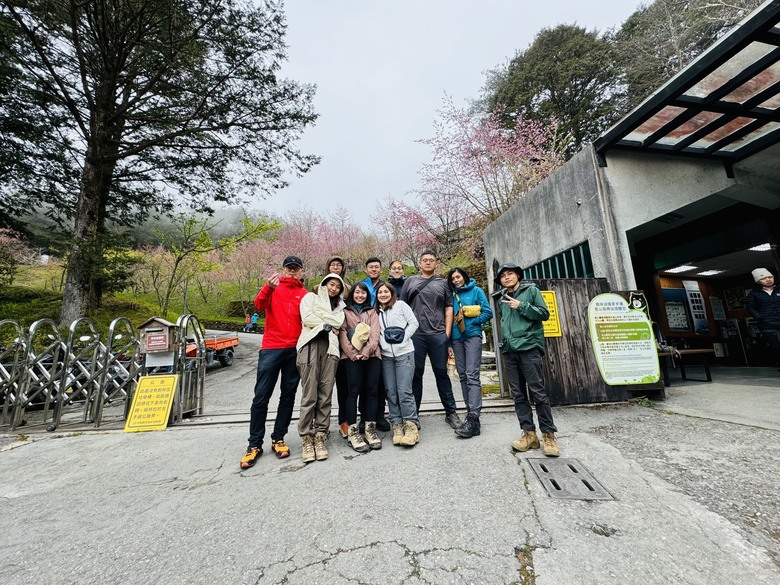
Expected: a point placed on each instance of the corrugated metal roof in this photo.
(723, 105)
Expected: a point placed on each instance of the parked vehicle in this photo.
(218, 348)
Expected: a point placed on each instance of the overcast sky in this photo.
(382, 68)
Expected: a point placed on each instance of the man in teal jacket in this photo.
(522, 310)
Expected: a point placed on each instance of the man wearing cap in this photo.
(280, 298)
(763, 304)
(522, 310)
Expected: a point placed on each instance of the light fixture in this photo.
(761, 248)
(683, 268)
(710, 272)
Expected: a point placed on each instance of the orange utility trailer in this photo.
(218, 347)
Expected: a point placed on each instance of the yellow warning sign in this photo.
(552, 327)
(152, 403)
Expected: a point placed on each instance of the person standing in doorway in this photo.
(763, 304)
(322, 315)
(472, 307)
(430, 298)
(280, 298)
(522, 310)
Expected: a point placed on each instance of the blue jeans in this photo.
(435, 347)
(270, 362)
(398, 373)
(525, 374)
(468, 358)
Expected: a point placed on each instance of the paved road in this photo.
(696, 501)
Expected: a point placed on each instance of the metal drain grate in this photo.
(568, 479)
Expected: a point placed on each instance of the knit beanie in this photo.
(760, 273)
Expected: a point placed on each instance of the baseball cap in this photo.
(292, 261)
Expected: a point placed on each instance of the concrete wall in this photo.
(567, 209)
(582, 201)
(644, 187)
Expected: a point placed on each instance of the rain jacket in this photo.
(316, 313)
(282, 312)
(521, 328)
(471, 294)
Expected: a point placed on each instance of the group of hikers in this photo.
(371, 340)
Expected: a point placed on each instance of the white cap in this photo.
(760, 273)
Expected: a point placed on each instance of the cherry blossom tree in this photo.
(482, 167)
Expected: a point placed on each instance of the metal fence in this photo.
(46, 374)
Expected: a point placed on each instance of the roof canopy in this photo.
(723, 105)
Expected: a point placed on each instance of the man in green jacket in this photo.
(522, 310)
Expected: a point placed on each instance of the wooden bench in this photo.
(681, 362)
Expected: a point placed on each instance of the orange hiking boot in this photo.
(280, 448)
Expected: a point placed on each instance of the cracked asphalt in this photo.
(694, 482)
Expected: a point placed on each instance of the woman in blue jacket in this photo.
(470, 303)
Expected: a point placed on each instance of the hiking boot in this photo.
(550, 445)
(528, 440)
(382, 424)
(453, 420)
(307, 451)
(280, 448)
(320, 450)
(344, 429)
(470, 428)
(398, 433)
(251, 457)
(355, 440)
(411, 434)
(373, 440)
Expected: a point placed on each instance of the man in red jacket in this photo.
(280, 298)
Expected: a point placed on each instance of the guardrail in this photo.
(45, 375)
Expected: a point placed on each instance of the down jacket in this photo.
(764, 307)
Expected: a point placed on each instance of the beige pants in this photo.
(318, 374)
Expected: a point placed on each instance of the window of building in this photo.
(573, 263)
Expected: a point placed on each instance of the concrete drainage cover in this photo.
(568, 479)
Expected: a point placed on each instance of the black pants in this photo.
(362, 383)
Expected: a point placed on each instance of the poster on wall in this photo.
(696, 304)
(718, 312)
(623, 341)
(735, 298)
(677, 316)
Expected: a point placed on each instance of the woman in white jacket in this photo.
(398, 365)
(322, 315)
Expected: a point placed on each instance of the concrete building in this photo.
(680, 198)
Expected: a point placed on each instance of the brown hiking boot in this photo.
(398, 433)
(373, 440)
(411, 434)
(550, 445)
(355, 439)
(528, 440)
(307, 451)
(320, 450)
